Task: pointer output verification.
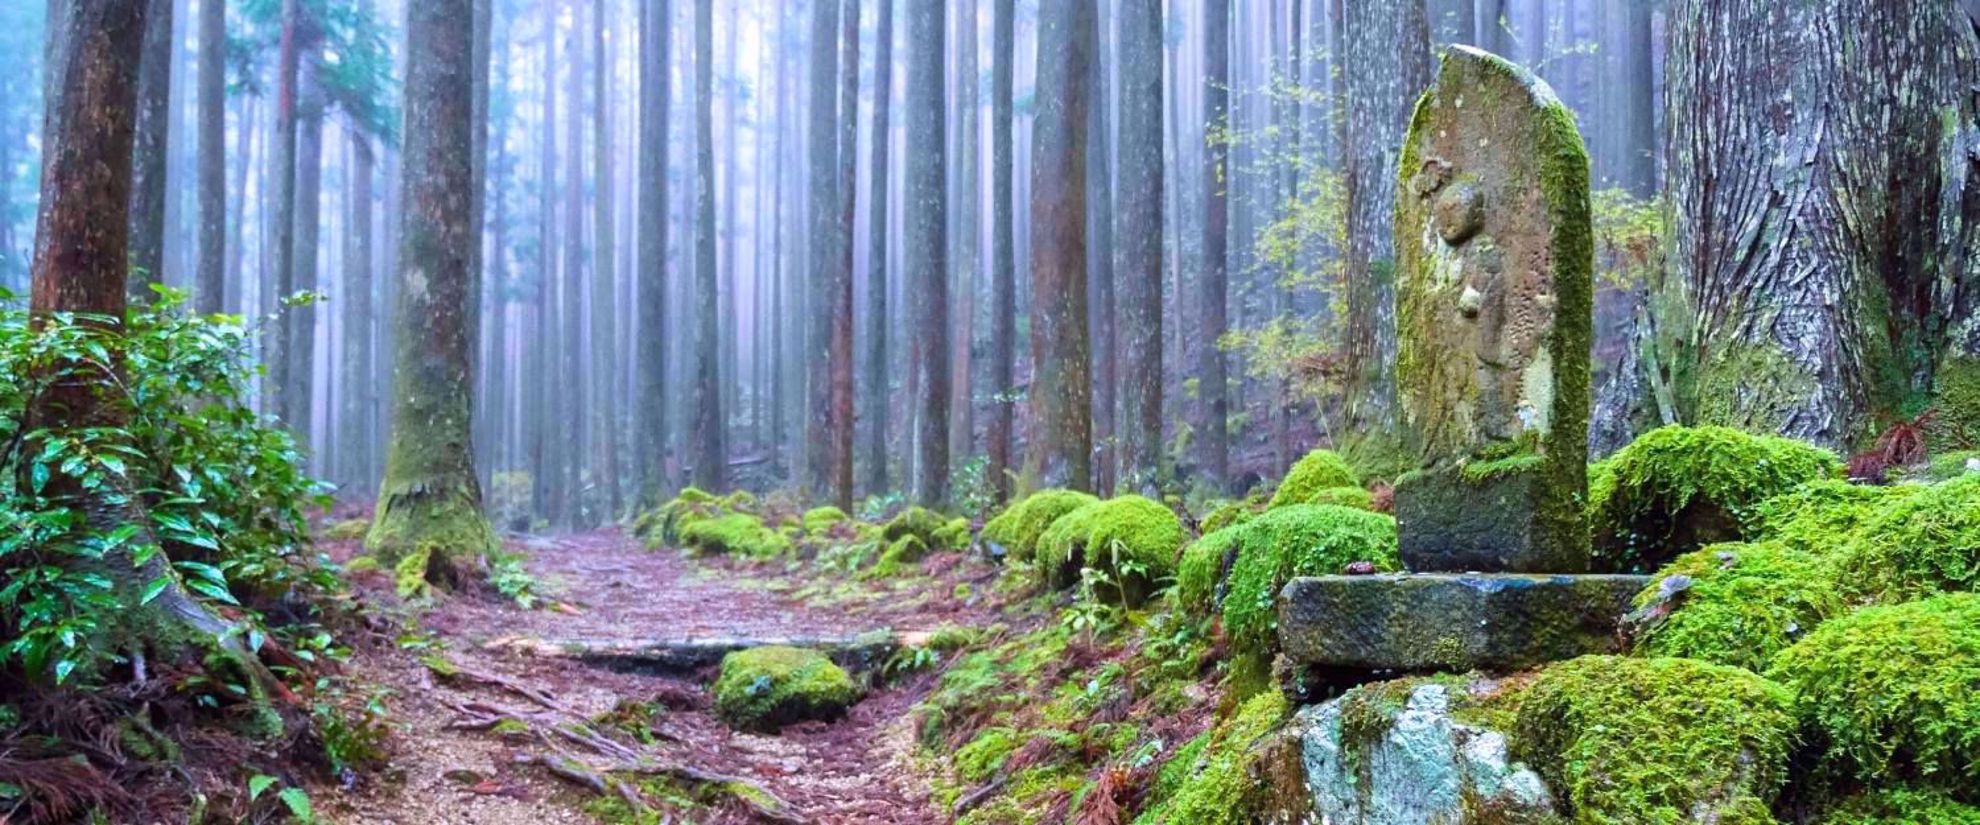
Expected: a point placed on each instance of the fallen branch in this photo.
(976, 797)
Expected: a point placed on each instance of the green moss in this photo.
(1819, 516)
(1355, 497)
(1316, 471)
(1626, 741)
(1186, 762)
(1916, 545)
(821, 519)
(1952, 465)
(1903, 806)
(1955, 423)
(1132, 539)
(738, 534)
(1202, 568)
(1752, 387)
(907, 549)
(1019, 527)
(953, 536)
(1222, 793)
(986, 754)
(1744, 603)
(1231, 513)
(665, 524)
(1677, 488)
(1892, 692)
(767, 687)
(1299, 540)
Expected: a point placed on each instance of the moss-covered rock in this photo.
(1131, 539)
(936, 532)
(1893, 692)
(1297, 540)
(1221, 791)
(1676, 489)
(663, 525)
(1734, 604)
(953, 536)
(1819, 516)
(1903, 806)
(1203, 566)
(818, 520)
(736, 534)
(1916, 545)
(1316, 471)
(765, 688)
(1625, 741)
(1019, 527)
(1232, 513)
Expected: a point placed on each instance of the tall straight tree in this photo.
(1003, 247)
(822, 161)
(1139, 210)
(430, 499)
(1105, 339)
(312, 103)
(1389, 46)
(354, 429)
(840, 352)
(154, 107)
(1214, 281)
(1061, 447)
(655, 96)
(877, 320)
(281, 279)
(711, 459)
(928, 249)
(209, 290)
(605, 379)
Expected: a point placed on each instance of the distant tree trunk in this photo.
(1100, 206)
(281, 279)
(484, 431)
(1389, 46)
(928, 250)
(154, 107)
(877, 319)
(209, 291)
(307, 232)
(1061, 449)
(968, 243)
(358, 314)
(604, 327)
(237, 232)
(711, 460)
(1139, 211)
(572, 424)
(1823, 204)
(543, 390)
(840, 352)
(1003, 248)
(1214, 441)
(655, 96)
(1637, 93)
(430, 499)
(823, 162)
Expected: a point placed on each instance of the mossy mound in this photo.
(1202, 568)
(1297, 540)
(734, 534)
(1893, 692)
(663, 525)
(1917, 545)
(1947, 466)
(765, 688)
(1676, 489)
(1233, 513)
(1625, 741)
(1815, 517)
(936, 532)
(818, 520)
(1316, 471)
(1132, 540)
(1019, 527)
(1222, 791)
(1735, 604)
(1902, 806)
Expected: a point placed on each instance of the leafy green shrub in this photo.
(225, 491)
(1677, 488)
(1735, 604)
(1297, 540)
(1131, 540)
(765, 688)
(1917, 545)
(1903, 806)
(736, 534)
(1893, 691)
(1019, 527)
(1316, 471)
(1626, 741)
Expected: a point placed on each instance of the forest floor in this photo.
(471, 661)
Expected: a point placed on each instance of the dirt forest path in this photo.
(488, 691)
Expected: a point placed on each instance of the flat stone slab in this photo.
(676, 656)
(1451, 622)
(1447, 522)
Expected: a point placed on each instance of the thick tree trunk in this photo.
(927, 249)
(822, 150)
(154, 107)
(430, 500)
(1389, 46)
(1822, 205)
(570, 333)
(655, 95)
(968, 237)
(484, 431)
(542, 390)
(1061, 449)
(840, 352)
(1139, 210)
(711, 454)
(1100, 205)
(877, 320)
(1214, 441)
(209, 289)
(307, 232)
(1003, 249)
(280, 280)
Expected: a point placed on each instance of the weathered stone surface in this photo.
(1451, 521)
(1438, 622)
(1412, 765)
(1495, 293)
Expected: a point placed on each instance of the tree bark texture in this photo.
(1214, 282)
(1061, 449)
(154, 108)
(209, 285)
(927, 248)
(877, 320)
(1003, 248)
(1139, 210)
(655, 95)
(711, 461)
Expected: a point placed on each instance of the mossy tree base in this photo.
(434, 524)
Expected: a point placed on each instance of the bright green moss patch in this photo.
(737, 534)
(1901, 806)
(1735, 604)
(1132, 540)
(985, 755)
(821, 519)
(1202, 568)
(1355, 497)
(1232, 513)
(1816, 517)
(1316, 471)
(1893, 692)
(768, 687)
(1019, 527)
(936, 533)
(1952, 465)
(1676, 489)
(1222, 792)
(663, 525)
(1297, 540)
(1956, 400)
(1625, 741)
(1917, 545)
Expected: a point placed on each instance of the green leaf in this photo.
(259, 785)
(298, 801)
(211, 590)
(153, 588)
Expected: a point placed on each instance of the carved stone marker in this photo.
(1494, 300)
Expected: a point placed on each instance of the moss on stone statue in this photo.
(1132, 540)
(1902, 806)
(1677, 488)
(766, 688)
(1316, 471)
(1019, 527)
(1735, 604)
(1298, 540)
(1893, 692)
(1624, 741)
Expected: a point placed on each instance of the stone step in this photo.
(1414, 622)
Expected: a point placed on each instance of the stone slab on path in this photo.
(680, 656)
(1451, 622)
